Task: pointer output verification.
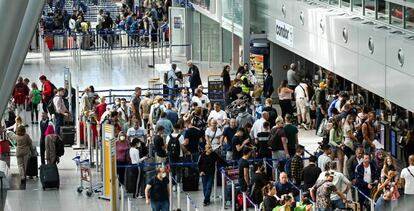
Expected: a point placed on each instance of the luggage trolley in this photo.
(84, 165)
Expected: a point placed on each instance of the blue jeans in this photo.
(160, 205)
(319, 117)
(337, 204)
(207, 181)
(59, 118)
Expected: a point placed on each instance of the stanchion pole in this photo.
(233, 197)
(223, 191)
(178, 195)
(129, 205)
(215, 183)
(372, 204)
(122, 204)
(264, 163)
(244, 202)
(171, 192)
(188, 203)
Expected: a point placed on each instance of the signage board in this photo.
(284, 33)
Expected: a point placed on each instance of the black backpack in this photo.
(156, 114)
(60, 147)
(173, 146)
(51, 107)
(274, 139)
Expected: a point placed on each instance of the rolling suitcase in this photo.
(68, 135)
(31, 169)
(49, 176)
(190, 179)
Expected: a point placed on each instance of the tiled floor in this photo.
(121, 73)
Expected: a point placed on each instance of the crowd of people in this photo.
(188, 127)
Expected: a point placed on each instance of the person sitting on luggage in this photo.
(50, 145)
(206, 166)
(135, 175)
(23, 150)
(157, 191)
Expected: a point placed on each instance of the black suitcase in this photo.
(68, 135)
(31, 169)
(131, 179)
(49, 176)
(190, 179)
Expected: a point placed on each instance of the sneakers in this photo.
(305, 126)
(174, 188)
(205, 204)
(140, 196)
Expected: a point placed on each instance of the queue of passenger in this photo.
(193, 129)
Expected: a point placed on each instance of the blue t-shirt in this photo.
(283, 188)
(259, 111)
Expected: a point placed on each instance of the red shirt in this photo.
(20, 93)
(100, 109)
(47, 90)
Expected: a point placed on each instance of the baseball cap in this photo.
(323, 85)
(60, 89)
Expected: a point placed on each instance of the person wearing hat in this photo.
(325, 157)
(60, 109)
(320, 101)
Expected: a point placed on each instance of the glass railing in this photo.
(209, 5)
(387, 11)
(233, 11)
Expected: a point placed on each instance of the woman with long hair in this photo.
(225, 74)
(270, 199)
(336, 140)
(285, 98)
(348, 129)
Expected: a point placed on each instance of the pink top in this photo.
(49, 130)
(121, 149)
(285, 94)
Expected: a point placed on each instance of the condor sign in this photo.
(284, 33)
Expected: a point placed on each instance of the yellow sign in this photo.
(109, 165)
(107, 168)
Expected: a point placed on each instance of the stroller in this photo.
(235, 107)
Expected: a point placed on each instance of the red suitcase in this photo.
(4, 145)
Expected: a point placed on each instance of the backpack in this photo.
(359, 135)
(274, 139)
(37, 97)
(60, 147)
(156, 114)
(174, 146)
(51, 107)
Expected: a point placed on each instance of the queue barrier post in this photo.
(215, 183)
(233, 196)
(122, 204)
(244, 202)
(188, 203)
(223, 190)
(129, 205)
(178, 195)
(171, 192)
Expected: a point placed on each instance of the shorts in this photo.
(301, 107)
(279, 155)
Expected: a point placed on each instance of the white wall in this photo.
(379, 71)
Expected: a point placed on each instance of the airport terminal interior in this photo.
(170, 105)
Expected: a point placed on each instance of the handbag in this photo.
(321, 129)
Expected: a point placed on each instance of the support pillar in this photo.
(17, 38)
(246, 31)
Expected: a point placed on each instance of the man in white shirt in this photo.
(219, 115)
(137, 132)
(201, 99)
(258, 125)
(176, 169)
(135, 175)
(407, 179)
(339, 181)
(302, 102)
(325, 157)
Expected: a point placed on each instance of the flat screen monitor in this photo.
(393, 142)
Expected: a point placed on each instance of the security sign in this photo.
(284, 33)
